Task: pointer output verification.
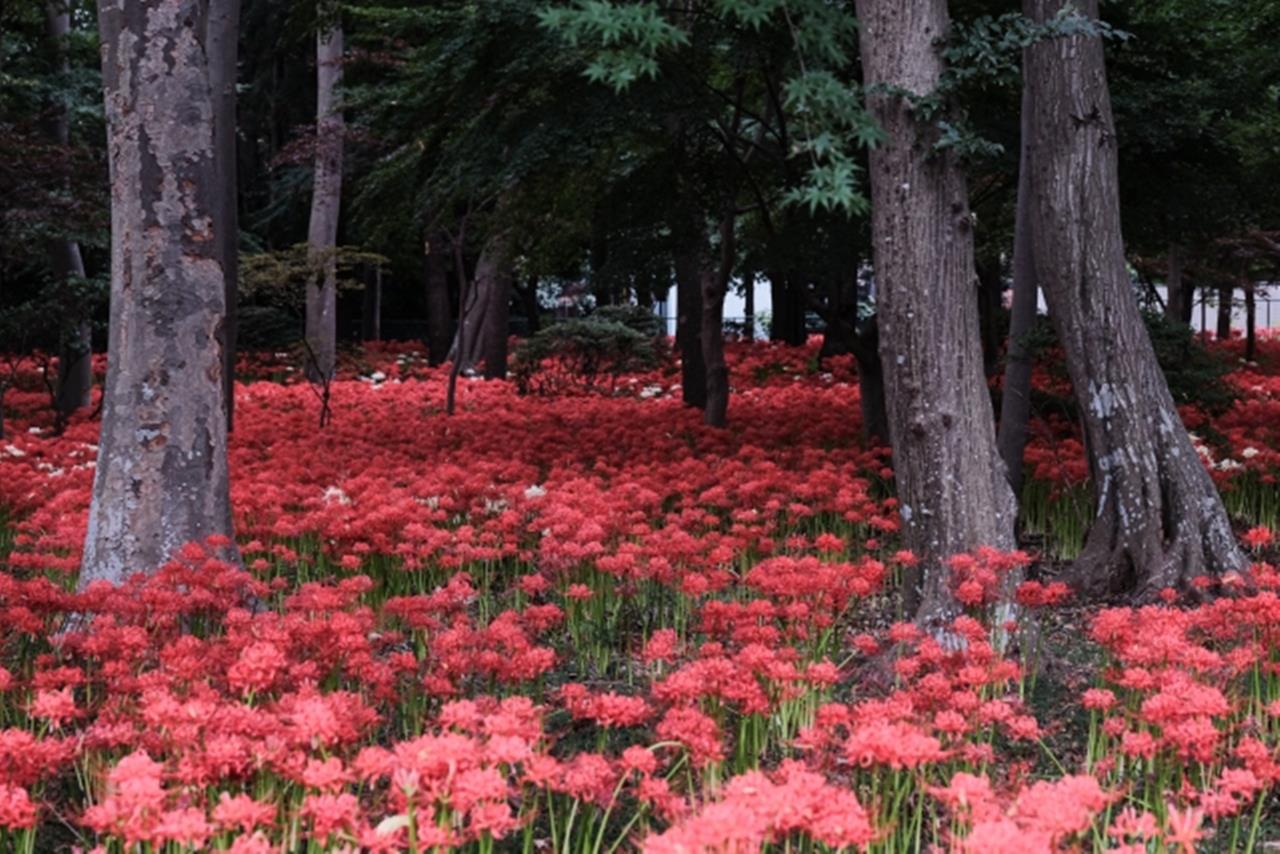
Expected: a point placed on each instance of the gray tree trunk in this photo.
(326, 196)
(485, 324)
(951, 484)
(222, 48)
(1015, 400)
(1159, 521)
(161, 479)
(75, 356)
(439, 306)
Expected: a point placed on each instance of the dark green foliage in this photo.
(1195, 375)
(632, 316)
(263, 327)
(583, 355)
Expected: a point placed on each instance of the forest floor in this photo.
(589, 623)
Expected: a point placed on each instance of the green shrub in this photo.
(582, 355)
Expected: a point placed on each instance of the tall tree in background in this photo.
(221, 45)
(1159, 521)
(75, 363)
(161, 479)
(326, 197)
(951, 483)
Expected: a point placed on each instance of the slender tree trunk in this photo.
(222, 48)
(749, 307)
(951, 484)
(326, 194)
(75, 351)
(533, 311)
(439, 306)
(1225, 297)
(689, 313)
(1159, 521)
(161, 479)
(1250, 322)
(714, 282)
(866, 351)
(1175, 296)
(1015, 399)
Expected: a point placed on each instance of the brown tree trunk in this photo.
(222, 48)
(326, 194)
(161, 478)
(1225, 296)
(1015, 399)
(1159, 521)
(75, 352)
(439, 306)
(714, 282)
(689, 313)
(951, 484)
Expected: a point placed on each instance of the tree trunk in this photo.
(161, 479)
(1176, 303)
(483, 330)
(866, 351)
(221, 46)
(689, 313)
(1250, 323)
(951, 484)
(714, 282)
(1159, 521)
(75, 351)
(439, 305)
(1225, 295)
(840, 316)
(1015, 399)
(788, 324)
(749, 307)
(326, 194)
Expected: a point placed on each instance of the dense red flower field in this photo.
(591, 624)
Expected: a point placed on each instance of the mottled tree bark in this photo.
(951, 484)
(1015, 398)
(485, 324)
(1159, 521)
(222, 49)
(75, 351)
(161, 479)
(439, 305)
(326, 195)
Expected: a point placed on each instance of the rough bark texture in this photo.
(951, 483)
(693, 373)
(75, 363)
(485, 324)
(326, 194)
(1159, 520)
(161, 479)
(222, 49)
(1015, 399)
(439, 306)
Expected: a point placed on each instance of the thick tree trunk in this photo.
(1015, 399)
(326, 194)
(689, 313)
(951, 484)
(439, 305)
(222, 48)
(1225, 297)
(1159, 521)
(1176, 303)
(75, 362)
(161, 479)
(485, 325)
(787, 300)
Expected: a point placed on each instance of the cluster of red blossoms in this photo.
(590, 624)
